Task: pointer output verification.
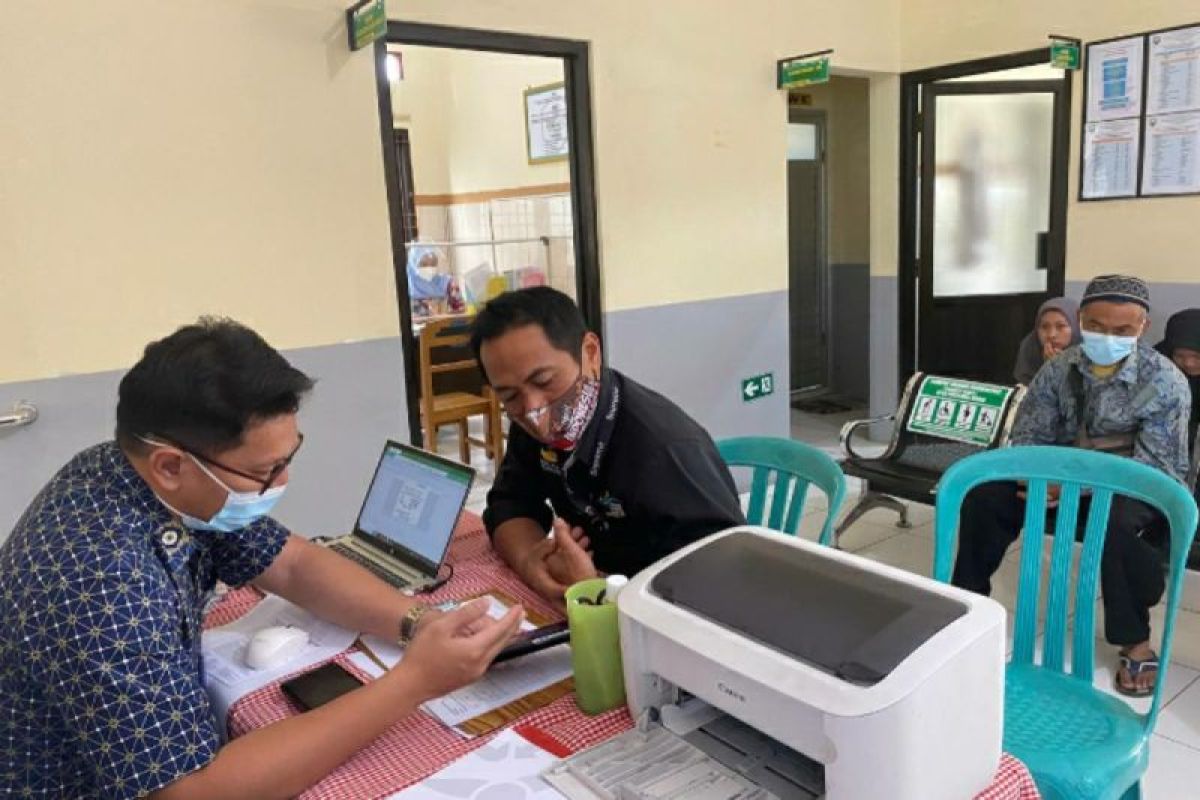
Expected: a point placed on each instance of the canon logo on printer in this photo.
(724, 688)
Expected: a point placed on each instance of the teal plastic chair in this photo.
(1077, 741)
(793, 466)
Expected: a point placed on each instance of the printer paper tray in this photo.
(724, 760)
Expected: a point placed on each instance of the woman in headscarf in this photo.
(1055, 328)
(423, 291)
(1181, 344)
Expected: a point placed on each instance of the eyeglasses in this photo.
(266, 482)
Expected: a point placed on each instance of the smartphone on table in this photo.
(321, 685)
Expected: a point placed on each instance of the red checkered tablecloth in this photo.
(419, 745)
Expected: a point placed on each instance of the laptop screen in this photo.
(413, 504)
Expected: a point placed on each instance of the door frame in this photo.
(911, 83)
(1056, 240)
(408, 210)
(820, 118)
(576, 57)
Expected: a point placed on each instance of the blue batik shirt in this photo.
(102, 594)
(1148, 396)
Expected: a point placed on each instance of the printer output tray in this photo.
(723, 760)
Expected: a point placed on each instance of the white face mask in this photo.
(240, 508)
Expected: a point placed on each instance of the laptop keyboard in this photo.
(358, 558)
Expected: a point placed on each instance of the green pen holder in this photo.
(595, 649)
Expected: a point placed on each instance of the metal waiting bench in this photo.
(939, 421)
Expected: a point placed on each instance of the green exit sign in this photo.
(758, 387)
(803, 71)
(366, 22)
(1064, 54)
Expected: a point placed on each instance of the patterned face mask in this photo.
(560, 423)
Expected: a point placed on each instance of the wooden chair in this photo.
(456, 406)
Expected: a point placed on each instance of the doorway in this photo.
(501, 223)
(808, 265)
(983, 211)
(829, 253)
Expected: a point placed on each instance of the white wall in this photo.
(160, 160)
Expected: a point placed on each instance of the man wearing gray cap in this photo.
(1111, 392)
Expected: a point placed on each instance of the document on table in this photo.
(1174, 78)
(226, 676)
(1114, 76)
(1172, 160)
(503, 684)
(508, 766)
(1110, 158)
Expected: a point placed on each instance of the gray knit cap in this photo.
(1117, 288)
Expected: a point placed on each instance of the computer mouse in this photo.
(271, 647)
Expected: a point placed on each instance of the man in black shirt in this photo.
(626, 471)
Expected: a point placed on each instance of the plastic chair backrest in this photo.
(1075, 470)
(793, 465)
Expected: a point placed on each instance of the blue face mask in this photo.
(1107, 350)
(240, 509)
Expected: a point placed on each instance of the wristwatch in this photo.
(408, 623)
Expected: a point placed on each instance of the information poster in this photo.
(1110, 158)
(1172, 163)
(1114, 75)
(546, 123)
(963, 411)
(1174, 77)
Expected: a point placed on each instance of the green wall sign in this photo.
(964, 411)
(758, 387)
(1064, 54)
(803, 71)
(366, 22)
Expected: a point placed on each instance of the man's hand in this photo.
(555, 562)
(571, 562)
(534, 570)
(457, 647)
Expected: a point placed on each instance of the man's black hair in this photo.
(551, 310)
(201, 386)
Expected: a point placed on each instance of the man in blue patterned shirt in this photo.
(1113, 393)
(103, 583)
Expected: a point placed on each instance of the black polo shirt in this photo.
(644, 480)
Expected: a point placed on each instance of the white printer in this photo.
(882, 682)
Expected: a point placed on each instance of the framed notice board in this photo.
(547, 137)
(1140, 135)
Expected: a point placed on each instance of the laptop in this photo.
(408, 517)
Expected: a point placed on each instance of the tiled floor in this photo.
(1175, 752)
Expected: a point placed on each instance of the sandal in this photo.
(1135, 668)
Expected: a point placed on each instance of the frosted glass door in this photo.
(992, 165)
